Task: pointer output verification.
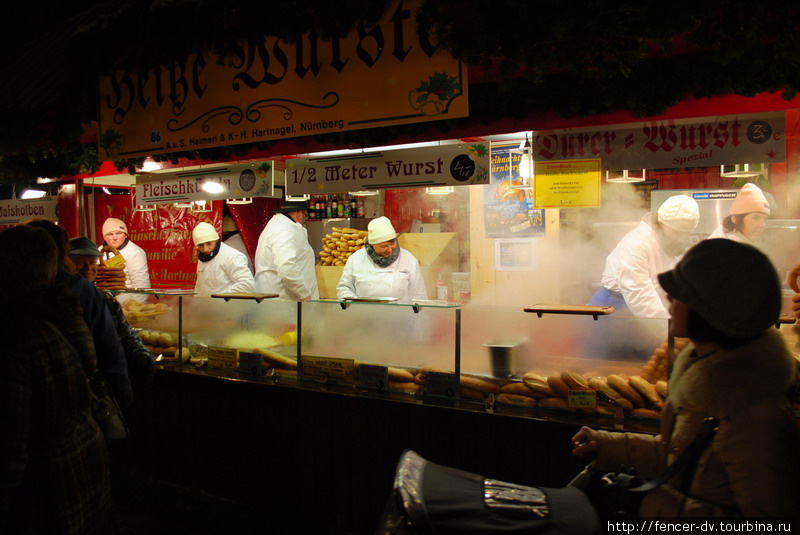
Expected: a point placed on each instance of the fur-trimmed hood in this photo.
(730, 379)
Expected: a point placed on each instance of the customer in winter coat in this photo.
(284, 259)
(141, 365)
(54, 471)
(220, 267)
(382, 268)
(747, 217)
(725, 296)
(108, 347)
(115, 234)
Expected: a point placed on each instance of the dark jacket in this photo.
(110, 355)
(54, 475)
(752, 466)
(141, 365)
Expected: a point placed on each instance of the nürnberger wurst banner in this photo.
(696, 142)
(380, 75)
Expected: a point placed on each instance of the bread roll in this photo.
(520, 389)
(661, 388)
(469, 393)
(574, 380)
(276, 359)
(647, 413)
(647, 390)
(620, 384)
(601, 386)
(538, 384)
(558, 385)
(514, 399)
(479, 384)
(403, 386)
(555, 403)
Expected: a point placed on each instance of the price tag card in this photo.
(582, 398)
(331, 370)
(442, 385)
(222, 357)
(114, 261)
(250, 363)
(373, 376)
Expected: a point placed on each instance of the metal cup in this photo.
(500, 355)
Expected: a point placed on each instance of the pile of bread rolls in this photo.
(656, 367)
(164, 344)
(339, 244)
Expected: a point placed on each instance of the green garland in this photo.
(577, 59)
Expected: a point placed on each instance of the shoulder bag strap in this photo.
(690, 455)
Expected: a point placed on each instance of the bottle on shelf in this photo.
(441, 287)
(340, 208)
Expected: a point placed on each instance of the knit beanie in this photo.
(750, 199)
(679, 212)
(203, 233)
(113, 224)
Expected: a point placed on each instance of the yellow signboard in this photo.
(378, 75)
(567, 183)
(222, 357)
(331, 370)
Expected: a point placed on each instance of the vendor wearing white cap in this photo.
(382, 268)
(284, 259)
(747, 217)
(220, 267)
(629, 280)
(137, 275)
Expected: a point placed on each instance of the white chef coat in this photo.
(137, 273)
(632, 269)
(285, 260)
(734, 235)
(237, 243)
(401, 279)
(227, 272)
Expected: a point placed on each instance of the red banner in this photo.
(165, 233)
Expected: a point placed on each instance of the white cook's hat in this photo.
(380, 230)
(203, 233)
(679, 212)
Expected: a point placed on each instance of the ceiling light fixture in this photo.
(626, 176)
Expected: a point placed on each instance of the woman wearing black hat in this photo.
(725, 296)
(284, 259)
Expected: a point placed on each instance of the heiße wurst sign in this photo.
(377, 75)
(444, 165)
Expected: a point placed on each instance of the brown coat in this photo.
(752, 466)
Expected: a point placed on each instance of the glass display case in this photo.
(571, 361)
(158, 320)
(486, 358)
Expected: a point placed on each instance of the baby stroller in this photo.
(430, 499)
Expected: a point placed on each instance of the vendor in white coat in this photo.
(382, 268)
(747, 217)
(629, 281)
(220, 268)
(137, 275)
(284, 259)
